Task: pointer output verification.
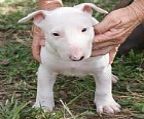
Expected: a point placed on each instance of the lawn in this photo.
(73, 96)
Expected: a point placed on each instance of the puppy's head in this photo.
(68, 30)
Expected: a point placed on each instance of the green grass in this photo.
(18, 75)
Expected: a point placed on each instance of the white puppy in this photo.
(69, 34)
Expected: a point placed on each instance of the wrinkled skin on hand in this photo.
(114, 30)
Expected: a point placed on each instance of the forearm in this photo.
(138, 8)
(49, 4)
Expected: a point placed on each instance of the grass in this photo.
(18, 79)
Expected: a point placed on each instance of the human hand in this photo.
(113, 31)
(38, 42)
(38, 36)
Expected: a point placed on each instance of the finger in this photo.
(101, 38)
(49, 4)
(36, 54)
(102, 51)
(109, 35)
(113, 53)
(105, 25)
(42, 42)
(36, 49)
(38, 38)
(103, 44)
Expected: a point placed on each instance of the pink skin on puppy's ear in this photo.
(39, 17)
(88, 9)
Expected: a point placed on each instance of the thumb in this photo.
(113, 53)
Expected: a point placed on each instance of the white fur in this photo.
(59, 51)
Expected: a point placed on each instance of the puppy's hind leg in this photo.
(114, 78)
(45, 83)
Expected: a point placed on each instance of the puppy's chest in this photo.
(78, 68)
(81, 68)
(72, 68)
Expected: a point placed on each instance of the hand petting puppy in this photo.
(116, 27)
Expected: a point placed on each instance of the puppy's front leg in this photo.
(46, 80)
(103, 94)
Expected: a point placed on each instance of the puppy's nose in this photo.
(73, 58)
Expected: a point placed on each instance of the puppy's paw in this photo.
(114, 78)
(108, 106)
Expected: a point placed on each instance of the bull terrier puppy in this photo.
(69, 35)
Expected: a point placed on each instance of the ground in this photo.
(73, 96)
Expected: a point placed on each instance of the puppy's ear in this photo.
(37, 17)
(89, 7)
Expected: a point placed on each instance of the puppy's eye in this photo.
(55, 34)
(84, 29)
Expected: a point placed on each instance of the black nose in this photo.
(75, 59)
